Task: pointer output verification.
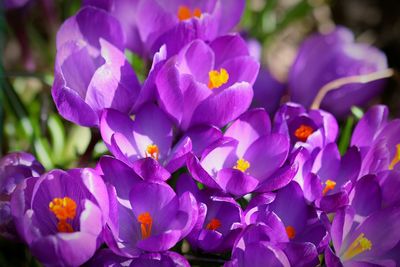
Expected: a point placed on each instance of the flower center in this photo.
(396, 158)
(152, 151)
(290, 231)
(146, 223)
(217, 78)
(184, 13)
(63, 209)
(359, 245)
(214, 224)
(242, 165)
(329, 185)
(303, 132)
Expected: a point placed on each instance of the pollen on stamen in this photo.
(63, 208)
(290, 231)
(146, 223)
(329, 185)
(303, 132)
(242, 165)
(359, 245)
(217, 78)
(214, 224)
(184, 13)
(64, 227)
(152, 151)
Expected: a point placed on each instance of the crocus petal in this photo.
(236, 182)
(225, 106)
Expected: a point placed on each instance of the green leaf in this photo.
(77, 141)
(43, 152)
(57, 135)
(346, 135)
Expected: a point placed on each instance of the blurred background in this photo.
(274, 28)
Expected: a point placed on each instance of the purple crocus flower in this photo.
(146, 140)
(156, 216)
(268, 91)
(148, 24)
(206, 83)
(61, 215)
(364, 232)
(14, 168)
(91, 71)
(265, 243)
(249, 158)
(302, 223)
(219, 221)
(378, 140)
(309, 129)
(323, 58)
(106, 258)
(327, 178)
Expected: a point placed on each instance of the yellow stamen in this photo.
(396, 158)
(242, 165)
(290, 231)
(146, 223)
(303, 132)
(359, 245)
(63, 208)
(214, 224)
(329, 185)
(217, 78)
(152, 151)
(185, 13)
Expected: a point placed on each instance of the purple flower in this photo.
(145, 140)
(268, 91)
(327, 178)
(14, 168)
(206, 83)
(148, 24)
(363, 243)
(220, 218)
(325, 57)
(378, 140)
(249, 158)
(146, 215)
(106, 258)
(302, 223)
(91, 71)
(309, 129)
(265, 243)
(61, 215)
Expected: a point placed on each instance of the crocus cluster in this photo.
(192, 170)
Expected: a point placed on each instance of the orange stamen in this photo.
(152, 151)
(214, 224)
(64, 227)
(146, 223)
(63, 209)
(290, 231)
(396, 158)
(185, 13)
(303, 132)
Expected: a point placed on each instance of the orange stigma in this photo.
(214, 224)
(329, 185)
(146, 223)
(396, 158)
(152, 151)
(184, 13)
(63, 209)
(290, 231)
(217, 78)
(303, 132)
